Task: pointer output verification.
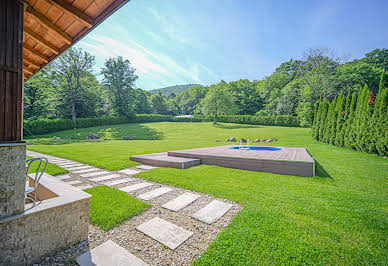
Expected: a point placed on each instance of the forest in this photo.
(70, 88)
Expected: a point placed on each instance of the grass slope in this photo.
(110, 207)
(338, 218)
(51, 169)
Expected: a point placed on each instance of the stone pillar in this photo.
(12, 178)
(12, 148)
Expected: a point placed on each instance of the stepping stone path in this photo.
(155, 193)
(103, 178)
(94, 174)
(108, 254)
(180, 202)
(181, 216)
(212, 212)
(165, 232)
(132, 188)
(129, 172)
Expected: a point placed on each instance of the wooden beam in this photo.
(40, 40)
(29, 61)
(71, 10)
(51, 26)
(37, 53)
(26, 70)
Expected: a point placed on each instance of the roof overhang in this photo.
(52, 26)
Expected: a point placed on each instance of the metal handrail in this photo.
(38, 174)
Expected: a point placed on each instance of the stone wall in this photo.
(12, 179)
(30, 238)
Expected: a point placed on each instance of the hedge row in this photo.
(357, 121)
(45, 126)
(275, 120)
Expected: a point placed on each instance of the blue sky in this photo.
(172, 42)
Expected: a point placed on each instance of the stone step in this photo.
(119, 181)
(109, 254)
(146, 167)
(75, 168)
(94, 174)
(212, 212)
(129, 172)
(163, 160)
(135, 187)
(155, 193)
(84, 187)
(86, 170)
(74, 182)
(181, 202)
(103, 178)
(165, 232)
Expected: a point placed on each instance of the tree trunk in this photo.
(73, 114)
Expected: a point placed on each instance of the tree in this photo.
(159, 103)
(38, 93)
(349, 137)
(142, 106)
(70, 68)
(119, 81)
(246, 97)
(383, 81)
(317, 71)
(379, 123)
(304, 110)
(218, 101)
(316, 122)
(341, 119)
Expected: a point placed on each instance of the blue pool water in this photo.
(256, 148)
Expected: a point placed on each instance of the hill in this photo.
(174, 89)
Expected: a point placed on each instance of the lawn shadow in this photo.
(234, 126)
(321, 172)
(105, 133)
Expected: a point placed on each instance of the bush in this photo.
(275, 120)
(45, 126)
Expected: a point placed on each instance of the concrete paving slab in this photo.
(129, 171)
(94, 174)
(71, 165)
(81, 167)
(109, 254)
(103, 178)
(120, 181)
(63, 177)
(74, 182)
(135, 187)
(181, 202)
(146, 167)
(155, 193)
(212, 212)
(165, 232)
(84, 187)
(86, 170)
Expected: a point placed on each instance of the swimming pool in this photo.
(256, 148)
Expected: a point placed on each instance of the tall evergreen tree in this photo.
(316, 119)
(383, 81)
(337, 113)
(329, 121)
(349, 137)
(325, 107)
(341, 120)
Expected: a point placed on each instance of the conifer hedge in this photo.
(357, 121)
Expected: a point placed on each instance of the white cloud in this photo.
(149, 66)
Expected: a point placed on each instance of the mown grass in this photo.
(52, 169)
(337, 218)
(110, 207)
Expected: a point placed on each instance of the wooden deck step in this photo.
(163, 160)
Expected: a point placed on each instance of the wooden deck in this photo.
(163, 160)
(288, 161)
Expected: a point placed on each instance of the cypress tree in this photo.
(360, 117)
(315, 121)
(383, 81)
(338, 115)
(325, 106)
(329, 120)
(379, 121)
(348, 136)
(341, 122)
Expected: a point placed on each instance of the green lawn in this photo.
(110, 207)
(338, 218)
(51, 169)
